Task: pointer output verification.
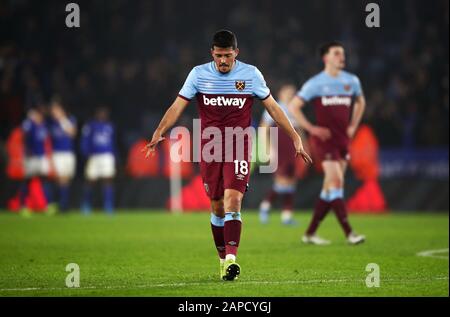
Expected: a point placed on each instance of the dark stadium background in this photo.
(134, 56)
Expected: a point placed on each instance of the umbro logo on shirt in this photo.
(224, 101)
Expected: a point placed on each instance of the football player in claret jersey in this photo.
(62, 128)
(284, 177)
(339, 105)
(98, 146)
(225, 89)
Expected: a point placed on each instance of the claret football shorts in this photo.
(218, 176)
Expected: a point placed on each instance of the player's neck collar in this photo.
(232, 67)
(338, 73)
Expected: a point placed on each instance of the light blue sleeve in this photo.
(356, 86)
(260, 88)
(308, 91)
(189, 89)
(266, 118)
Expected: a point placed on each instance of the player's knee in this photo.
(217, 208)
(233, 202)
(337, 183)
(333, 182)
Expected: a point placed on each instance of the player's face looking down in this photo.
(335, 57)
(224, 58)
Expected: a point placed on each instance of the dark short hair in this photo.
(325, 48)
(224, 39)
(102, 107)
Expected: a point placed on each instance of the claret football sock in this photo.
(340, 210)
(271, 196)
(338, 204)
(217, 225)
(288, 201)
(286, 192)
(232, 232)
(320, 211)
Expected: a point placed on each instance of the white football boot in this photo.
(315, 240)
(355, 239)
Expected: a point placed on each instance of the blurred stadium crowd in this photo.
(135, 57)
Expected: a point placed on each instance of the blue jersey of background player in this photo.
(62, 141)
(35, 135)
(98, 146)
(97, 138)
(36, 162)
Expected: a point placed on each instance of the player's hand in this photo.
(150, 147)
(351, 131)
(300, 151)
(322, 133)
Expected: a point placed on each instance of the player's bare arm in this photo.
(68, 127)
(170, 117)
(283, 122)
(266, 126)
(358, 111)
(295, 107)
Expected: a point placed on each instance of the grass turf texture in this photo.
(159, 254)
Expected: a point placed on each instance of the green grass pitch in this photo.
(160, 254)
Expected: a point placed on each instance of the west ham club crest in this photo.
(239, 84)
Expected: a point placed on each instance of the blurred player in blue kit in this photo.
(36, 162)
(98, 147)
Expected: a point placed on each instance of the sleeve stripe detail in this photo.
(183, 97)
(301, 98)
(266, 97)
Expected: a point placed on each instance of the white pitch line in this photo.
(431, 253)
(215, 283)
